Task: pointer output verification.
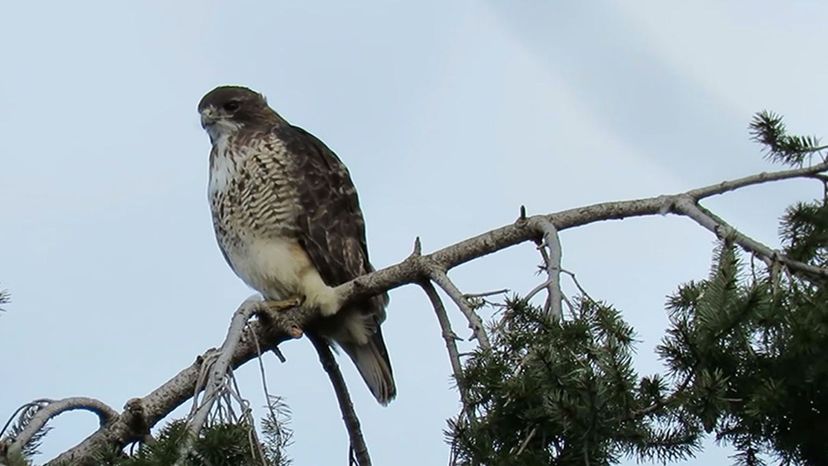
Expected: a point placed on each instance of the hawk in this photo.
(287, 220)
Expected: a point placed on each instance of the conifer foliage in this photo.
(746, 359)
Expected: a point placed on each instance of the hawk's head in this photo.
(227, 109)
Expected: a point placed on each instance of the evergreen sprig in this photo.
(768, 129)
(276, 432)
(15, 426)
(804, 232)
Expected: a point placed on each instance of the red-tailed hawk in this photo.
(287, 219)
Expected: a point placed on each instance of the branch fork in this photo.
(419, 268)
(46, 410)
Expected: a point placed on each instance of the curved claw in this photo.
(285, 304)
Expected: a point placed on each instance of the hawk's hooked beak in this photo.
(208, 117)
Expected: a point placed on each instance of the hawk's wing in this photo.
(331, 226)
(332, 231)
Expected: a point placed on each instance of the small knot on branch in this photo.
(418, 248)
(668, 203)
(135, 417)
(279, 354)
(726, 233)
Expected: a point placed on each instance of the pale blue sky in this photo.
(450, 116)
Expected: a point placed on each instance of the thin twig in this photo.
(246, 416)
(759, 178)
(537, 289)
(451, 343)
(526, 440)
(279, 355)
(475, 323)
(578, 285)
(486, 294)
(569, 306)
(263, 375)
(688, 207)
(326, 357)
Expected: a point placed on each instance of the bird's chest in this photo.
(253, 206)
(251, 193)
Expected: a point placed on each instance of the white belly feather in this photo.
(281, 269)
(278, 268)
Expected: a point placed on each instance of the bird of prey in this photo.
(287, 219)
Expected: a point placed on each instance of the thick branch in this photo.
(552, 260)
(141, 414)
(417, 267)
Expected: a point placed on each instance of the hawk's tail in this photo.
(371, 359)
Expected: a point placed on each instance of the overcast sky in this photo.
(450, 115)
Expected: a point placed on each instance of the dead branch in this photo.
(217, 366)
(50, 409)
(759, 178)
(688, 207)
(358, 450)
(475, 322)
(217, 370)
(551, 252)
(141, 414)
(451, 343)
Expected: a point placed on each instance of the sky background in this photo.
(450, 116)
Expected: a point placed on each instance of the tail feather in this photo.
(373, 364)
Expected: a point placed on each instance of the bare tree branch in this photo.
(451, 342)
(140, 414)
(217, 366)
(359, 450)
(143, 413)
(688, 207)
(217, 369)
(578, 285)
(475, 323)
(486, 294)
(759, 178)
(552, 260)
(53, 408)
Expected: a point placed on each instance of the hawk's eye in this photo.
(231, 106)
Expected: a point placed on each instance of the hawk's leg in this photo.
(272, 308)
(284, 304)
